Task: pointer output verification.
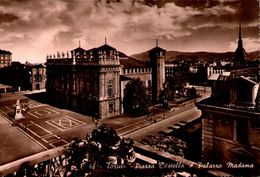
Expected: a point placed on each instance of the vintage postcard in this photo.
(129, 88)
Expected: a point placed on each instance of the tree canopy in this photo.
(101, 149)
(136, 97)
(177, 81)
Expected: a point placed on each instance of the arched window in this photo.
(110, 88)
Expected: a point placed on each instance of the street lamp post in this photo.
(95, 120)
(165, 103)
(205, 83)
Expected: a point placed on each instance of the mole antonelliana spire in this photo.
(240, 53)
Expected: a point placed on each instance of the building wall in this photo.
(89, 84)
(5, 60)
(214, 70)
(224, 132)
(86, 88)
(38, 78)
(144, 74)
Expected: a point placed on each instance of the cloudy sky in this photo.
(31, 29)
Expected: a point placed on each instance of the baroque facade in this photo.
(93, 81)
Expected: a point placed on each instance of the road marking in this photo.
(38, 134)
(42, 113)
(32, 138)
(3, 112)
(33, 115)
(33, 104)
(43, 128)
(50, 135)
(51, 138)
(125, 132)
(33, 132)
(7, 107)
(65, 123)
(53, 110)
(59, 143)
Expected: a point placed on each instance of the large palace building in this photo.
(93, 81)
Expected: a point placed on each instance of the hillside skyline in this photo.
(214, 56)
(33, 29)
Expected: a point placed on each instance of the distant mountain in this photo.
(197, 56)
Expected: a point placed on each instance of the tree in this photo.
(192, 92)
(102, 147)
(166, 95)
(137, 98)
(166, 143)
(177, 81)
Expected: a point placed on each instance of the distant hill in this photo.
(197, 56)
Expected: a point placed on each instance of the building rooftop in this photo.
(235, 91)
(133, 63)
(4, 52)
(211, 103)
(84, 56)
(79, 49)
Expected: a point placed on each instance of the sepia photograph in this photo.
(129, 88)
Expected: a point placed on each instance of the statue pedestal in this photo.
(18, 111)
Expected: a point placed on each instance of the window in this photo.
(110, 88)
(242, 131)
(111, 107)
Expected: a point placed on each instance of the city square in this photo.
(129, 88)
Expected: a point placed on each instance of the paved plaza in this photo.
(45, 127)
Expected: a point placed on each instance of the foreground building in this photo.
(231, 124)
(93, 81)
(5, 58)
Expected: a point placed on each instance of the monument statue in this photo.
(18, 111)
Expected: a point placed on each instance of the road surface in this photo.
(47, 127)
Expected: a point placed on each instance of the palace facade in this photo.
(93, 81)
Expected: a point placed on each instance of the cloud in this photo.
(7, 18)
(130, 25)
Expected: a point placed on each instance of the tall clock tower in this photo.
(157, 63)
